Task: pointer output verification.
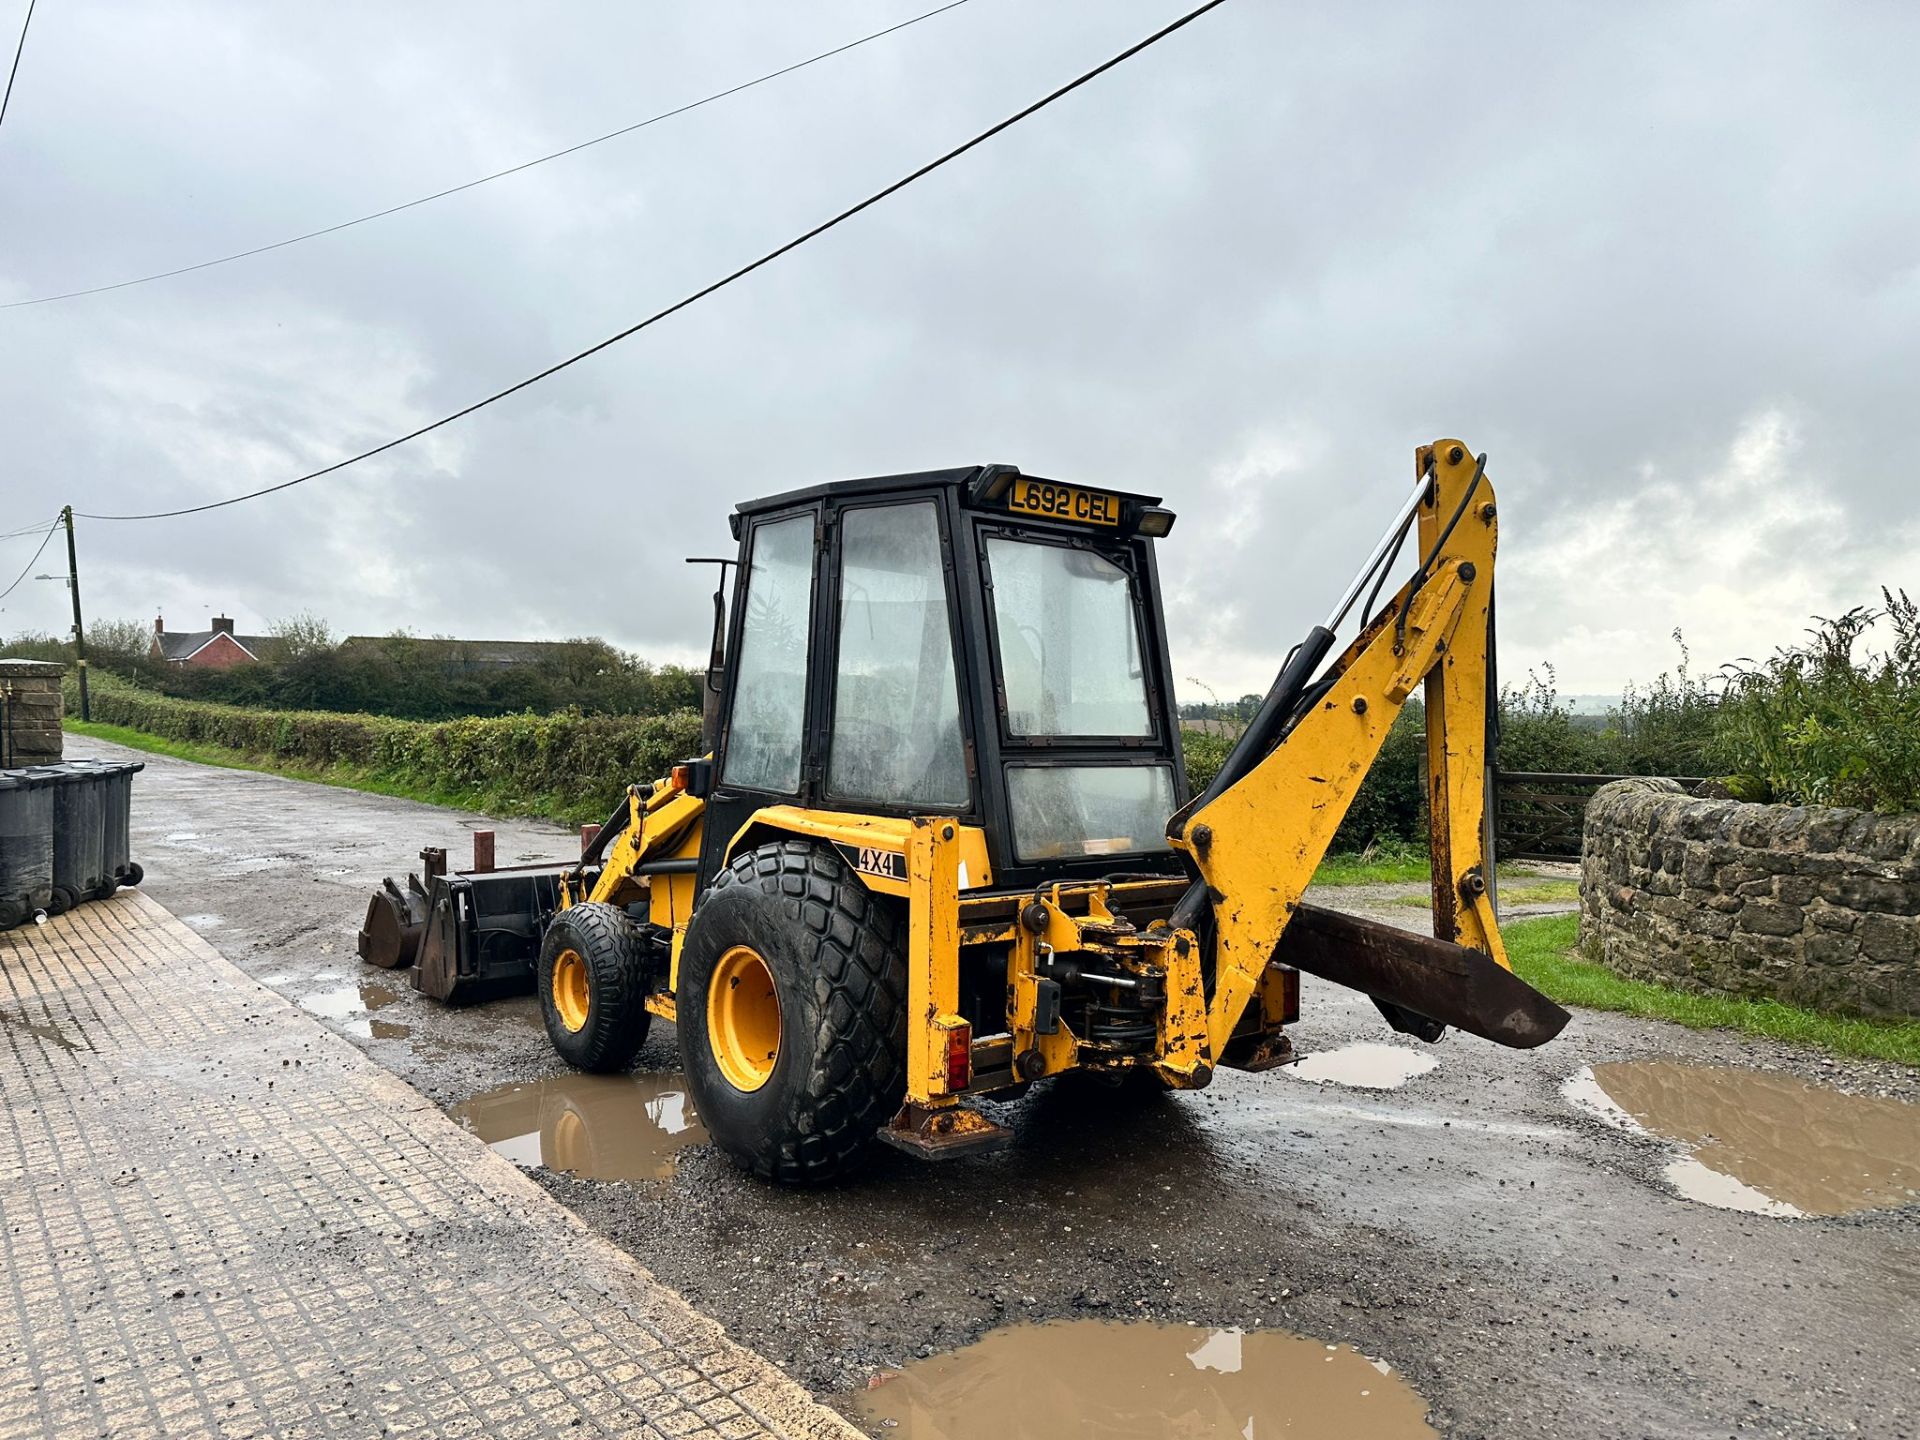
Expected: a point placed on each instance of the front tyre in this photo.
(793, 1015)
(593, 987)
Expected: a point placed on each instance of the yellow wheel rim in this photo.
(571, 996)
(571, 1148)
(743, 1018)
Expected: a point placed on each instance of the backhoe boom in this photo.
(1257, 839)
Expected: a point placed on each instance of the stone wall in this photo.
(1813, 906)
(30, 711)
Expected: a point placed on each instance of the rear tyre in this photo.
(63, 900)
(793, 1013)
(593, 987)
(134, 874)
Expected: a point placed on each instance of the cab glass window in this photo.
(1068, 640)
(896, 706)
(1062, 811)
(770, 672)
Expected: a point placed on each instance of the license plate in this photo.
(1063, 502)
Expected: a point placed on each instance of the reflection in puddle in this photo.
(1144, 1381)
(602, 1127)
(349, 1003)
(1764, 1143)
(1365, 1067)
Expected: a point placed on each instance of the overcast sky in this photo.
(1661, 262)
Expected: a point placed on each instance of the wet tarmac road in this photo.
(1521, 1262)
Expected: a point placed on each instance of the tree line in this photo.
(1831, 719)
(400, 676)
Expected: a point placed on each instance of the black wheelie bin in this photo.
(26, 847)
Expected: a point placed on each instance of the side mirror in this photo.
(716, 655)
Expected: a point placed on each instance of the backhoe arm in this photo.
(1257, 839)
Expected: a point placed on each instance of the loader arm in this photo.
(1257, 839)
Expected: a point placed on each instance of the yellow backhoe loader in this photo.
(943, 843)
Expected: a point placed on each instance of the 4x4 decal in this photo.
(871, 860)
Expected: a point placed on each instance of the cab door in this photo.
(895, 738)
(761, 755)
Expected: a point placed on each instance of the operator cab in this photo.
(971, 642)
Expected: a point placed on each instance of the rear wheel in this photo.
(593, 987)
(793, 1024)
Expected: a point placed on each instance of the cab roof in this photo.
(975, 478)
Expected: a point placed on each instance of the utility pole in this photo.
(79, 630)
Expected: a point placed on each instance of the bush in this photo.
(1666, 728)
(568, 767)
(1205, 753)
(1391, 801)
(1814, 725)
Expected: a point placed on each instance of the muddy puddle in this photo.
(1761, 1142)
(1143, 1382)
(352, 1003)
(1363, 1067)
(600, 1127)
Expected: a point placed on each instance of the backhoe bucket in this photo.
(1425, 978)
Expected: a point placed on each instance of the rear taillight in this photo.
(959, 1057)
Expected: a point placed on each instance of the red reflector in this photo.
(959, 1057)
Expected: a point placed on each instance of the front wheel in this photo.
(593, 987)
(793, 1017)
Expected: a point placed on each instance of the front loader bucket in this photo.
(1430, 978)
(483, 932)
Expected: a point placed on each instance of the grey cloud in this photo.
(1250, 271)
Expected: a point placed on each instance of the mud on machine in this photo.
(942, 843)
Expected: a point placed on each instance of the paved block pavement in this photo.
(219, 1219)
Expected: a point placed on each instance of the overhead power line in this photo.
(31, 563)
(30, 530)
(19, 47)
(701, 294)
(485, 179)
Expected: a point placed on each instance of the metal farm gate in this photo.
(1537, 814)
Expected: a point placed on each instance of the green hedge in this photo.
(574, 767)
(565, 766)
(1390, 805)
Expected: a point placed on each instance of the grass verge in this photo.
(1539, 892)
(1543, 955)
(1393, 866)
(345, 777)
